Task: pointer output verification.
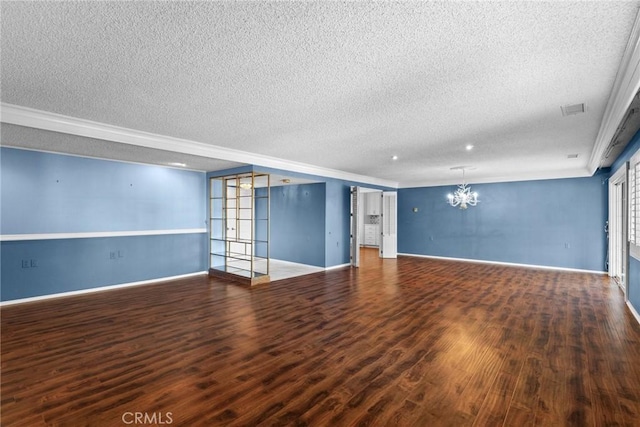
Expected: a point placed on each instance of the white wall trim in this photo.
(624, 90)
(85, 156)
(38, 119)
(527, 176)
(633, 311)
(507, 264)
(294, 264)
(95, 234)
(100, 289)
(335, 267)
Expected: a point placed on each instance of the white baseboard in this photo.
(633, 311)
(335, 267)
(100, 289)
(508, 264)
(293, 264)
(126, 285)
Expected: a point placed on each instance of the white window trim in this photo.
(634, 205)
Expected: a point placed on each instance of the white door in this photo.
(355, 221)
(389, 234)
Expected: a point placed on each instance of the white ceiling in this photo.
(333, 85)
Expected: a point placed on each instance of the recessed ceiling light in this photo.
(394, 157)
(572, 156)
(469, 147)
(182, 165)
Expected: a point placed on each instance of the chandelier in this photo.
(463, 196)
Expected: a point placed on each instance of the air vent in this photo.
(572, 156)
(570, 110)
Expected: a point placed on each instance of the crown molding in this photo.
(38, 119)
(538, 176)
(624, 90)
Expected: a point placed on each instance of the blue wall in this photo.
(297, 221)
(337, 223)
(557, 223)
(64, 265)
(51, 193)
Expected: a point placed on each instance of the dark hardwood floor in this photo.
(412, 342)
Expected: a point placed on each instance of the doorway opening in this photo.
(373, 224)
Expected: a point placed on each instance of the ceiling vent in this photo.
(573, 109)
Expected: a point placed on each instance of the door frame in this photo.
(354, 224)
(618, 244)
(356, 206)
(389, 224)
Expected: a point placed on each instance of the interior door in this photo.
(355, 235)
(389, 233)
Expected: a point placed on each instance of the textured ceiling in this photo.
(337, 85)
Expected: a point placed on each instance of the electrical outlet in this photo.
(25, 263)
(120, 254)
(34, 263)
(112, 255)
(567, 246)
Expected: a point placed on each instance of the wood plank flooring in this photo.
(406, 342)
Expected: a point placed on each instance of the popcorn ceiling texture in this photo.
(337, 85)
